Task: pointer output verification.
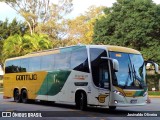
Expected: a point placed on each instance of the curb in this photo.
(151, 96)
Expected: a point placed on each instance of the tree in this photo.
(10, 29)
(4, 32)
(20, 45)
(1, 47)
(40, 11)
(131, 23)
(7, 29)
(80, 29)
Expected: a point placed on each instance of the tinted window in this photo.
(132, 70)
(100, 69)
(25, 65)
(47, 62)
(62, 61)
(34, 64)
(79, 60)
(12, 66)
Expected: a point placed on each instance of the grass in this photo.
(1, 89)
(154, 93)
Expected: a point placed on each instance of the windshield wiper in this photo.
(129, 76)
(136, 78)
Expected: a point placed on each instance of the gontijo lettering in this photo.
(26, 77)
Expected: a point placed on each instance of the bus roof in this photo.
(122, 49)
(70, 48)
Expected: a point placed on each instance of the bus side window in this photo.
(12, 66)
(62, 60)
(47, 62)
(25, 65)
(79, 60)
(104, 76)
(34, 64)
(100, 69)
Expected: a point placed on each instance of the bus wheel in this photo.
(17, 97)
(24, 96)
(112, 107)
(82, 101)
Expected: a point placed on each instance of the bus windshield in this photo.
(131, 72)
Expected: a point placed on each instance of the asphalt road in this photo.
(60, 111)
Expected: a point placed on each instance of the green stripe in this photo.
(54, 82)
(140, 93)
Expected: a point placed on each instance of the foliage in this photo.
(80, 29)
(46, 12)
(131, 23)
(7, 29)
(153, 81)
(1, 89)
(154, 93)
(20, 45)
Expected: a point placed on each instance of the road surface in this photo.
(60, 111)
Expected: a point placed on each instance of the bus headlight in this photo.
(119, 93)
(115, 101)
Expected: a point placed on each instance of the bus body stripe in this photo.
(53, 83)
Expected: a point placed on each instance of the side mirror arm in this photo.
(154, 64)
(115, 63)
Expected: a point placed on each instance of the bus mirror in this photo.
(156, 67)
(149, 65)
(114, 62)
(115, 65)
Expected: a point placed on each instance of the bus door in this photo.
(100, 76)
(103, 97)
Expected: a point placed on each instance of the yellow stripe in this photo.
(122, 49)
(32, 86)
(127, 93)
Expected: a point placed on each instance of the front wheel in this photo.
(83, 101)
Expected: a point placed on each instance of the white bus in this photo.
(97, 75)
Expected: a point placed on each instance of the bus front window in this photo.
(131, 72)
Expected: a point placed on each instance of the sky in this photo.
(80, 6)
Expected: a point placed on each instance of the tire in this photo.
(17, 97)
(82, 101)
(112, 107)
(24, 96)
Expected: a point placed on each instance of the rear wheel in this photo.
(17, 97)
(24, 96)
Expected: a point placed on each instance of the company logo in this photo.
(26, 77)
(80, 77)
(101, 98)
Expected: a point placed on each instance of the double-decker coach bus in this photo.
(97, 75)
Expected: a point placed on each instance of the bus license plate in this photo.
(133, 101)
